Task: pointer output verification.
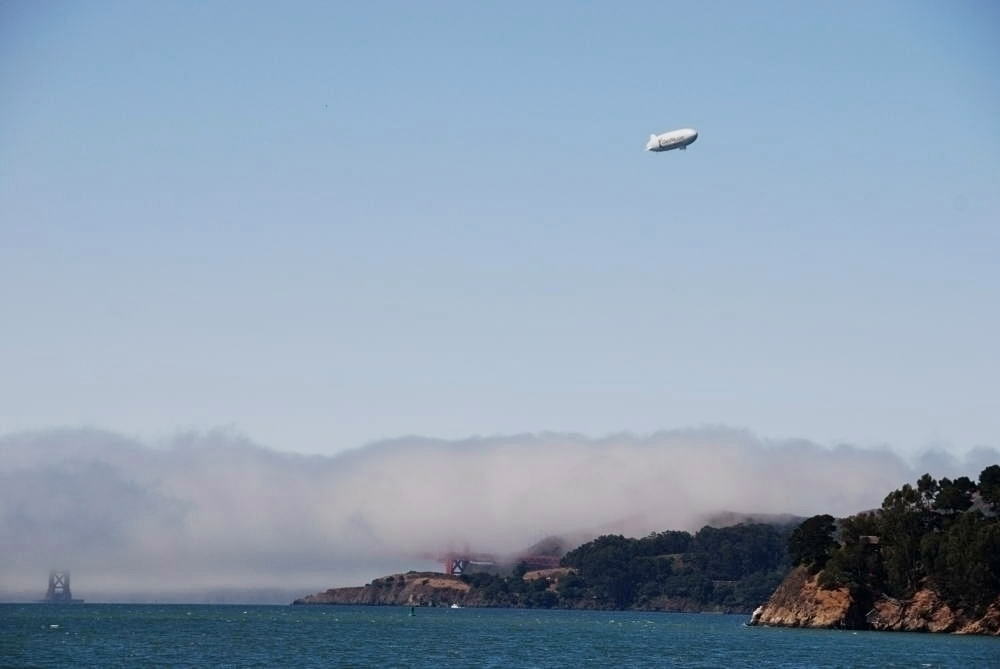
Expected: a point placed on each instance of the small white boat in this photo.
(455, 606)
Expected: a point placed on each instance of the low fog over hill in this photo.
(214, 512)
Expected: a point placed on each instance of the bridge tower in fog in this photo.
(58, 587)
(456, 563)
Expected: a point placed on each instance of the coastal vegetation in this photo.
(724, 569)
(938, 534)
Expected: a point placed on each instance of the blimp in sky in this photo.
(675, 139)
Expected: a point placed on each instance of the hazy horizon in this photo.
(214, 511)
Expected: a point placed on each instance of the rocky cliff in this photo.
(800, 602)
(926, 612)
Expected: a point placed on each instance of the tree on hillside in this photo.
(731, 553)
(965, 566)
(664, 543)
(902, 524)
(812, 542)
(928, 489)
(989, 486)
(857, 561)
(605, 564)
(955, 496)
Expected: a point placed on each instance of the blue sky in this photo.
(326, 224)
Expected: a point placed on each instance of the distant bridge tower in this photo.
(58, 587)
(455, 564)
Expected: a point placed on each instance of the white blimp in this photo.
(675, 139)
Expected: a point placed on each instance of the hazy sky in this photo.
(325, 224)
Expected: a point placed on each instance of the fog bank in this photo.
(214, 510)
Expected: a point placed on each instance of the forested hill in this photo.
(717, 569)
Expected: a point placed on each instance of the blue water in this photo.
(125, 635)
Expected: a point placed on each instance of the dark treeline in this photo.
(732, 568)
(942, 534)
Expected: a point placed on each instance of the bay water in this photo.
(127, 635)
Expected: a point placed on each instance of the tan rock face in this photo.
(924, 612)
(988, 624)
(800, 602)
